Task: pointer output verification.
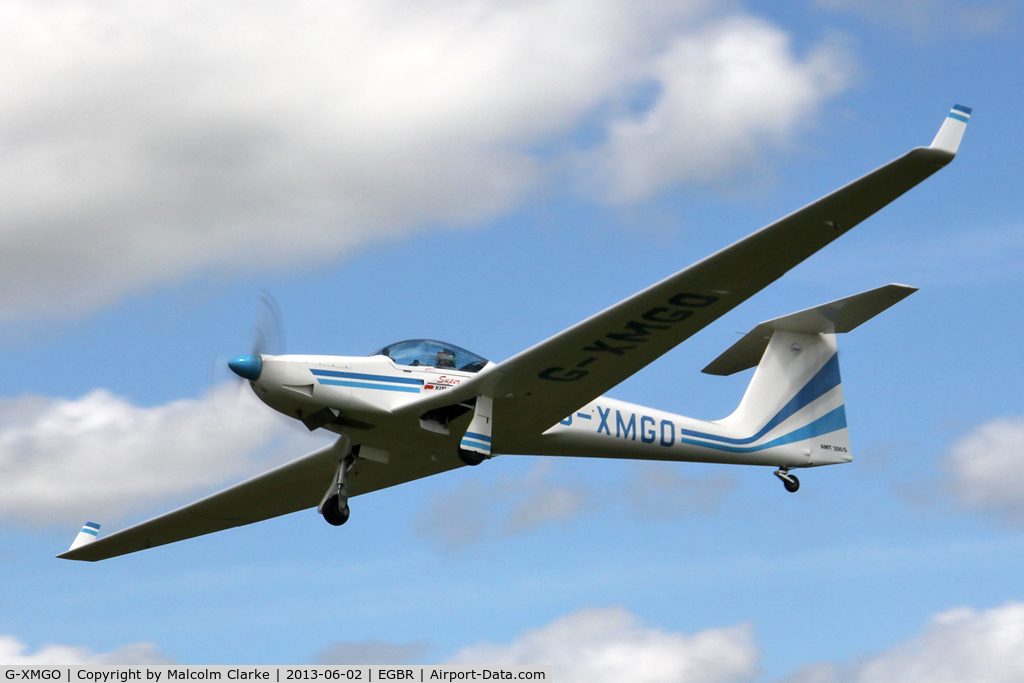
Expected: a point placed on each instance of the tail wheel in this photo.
(788, 480)
(334, 513)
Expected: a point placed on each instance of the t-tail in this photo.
(793, 407)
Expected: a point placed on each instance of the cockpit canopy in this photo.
(433, 354)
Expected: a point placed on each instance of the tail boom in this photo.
(608, 428)
(792, 415)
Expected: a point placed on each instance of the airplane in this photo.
(421, 407)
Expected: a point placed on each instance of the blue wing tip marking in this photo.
(960, 113)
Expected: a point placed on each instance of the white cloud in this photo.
(958, 645)
(371, 652)
(549, 503)
(554, 492)
(612, 644)
(597, 645)
(147, 143)
(99, 457)
(662, 491)
(985, 469)
(14, 652)
(478, 510)
(727, 93)
(457, 518)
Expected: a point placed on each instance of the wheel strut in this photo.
(334, 507)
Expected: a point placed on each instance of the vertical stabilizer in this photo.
(795, 400)
(793, 408)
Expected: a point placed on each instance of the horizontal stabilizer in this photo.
(841, 315)
(952, 130)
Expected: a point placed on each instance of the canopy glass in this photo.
(432, 353)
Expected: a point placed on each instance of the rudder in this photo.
(794, 403)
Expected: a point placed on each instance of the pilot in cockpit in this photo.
(445, 358)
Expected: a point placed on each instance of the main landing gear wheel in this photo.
(335, 506)
(471, 458)
(334, 513)
(790, 481)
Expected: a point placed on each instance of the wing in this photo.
(540, 386)
(295, 486)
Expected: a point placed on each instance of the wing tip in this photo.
(952, 131)
(88, 534)
(68, 554)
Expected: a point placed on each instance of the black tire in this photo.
(333, 513)
(792, 486)
(471, 458)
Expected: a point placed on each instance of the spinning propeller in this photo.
(268, 339)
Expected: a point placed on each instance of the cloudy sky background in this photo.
(490, 173)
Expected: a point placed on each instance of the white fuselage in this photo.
(367, 391)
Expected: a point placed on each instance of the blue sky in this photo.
(489, 174)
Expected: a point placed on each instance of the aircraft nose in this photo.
(247, 367)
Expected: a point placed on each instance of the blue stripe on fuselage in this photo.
(365, 377)
(364, 385)
(826, 379)
(829, 422)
